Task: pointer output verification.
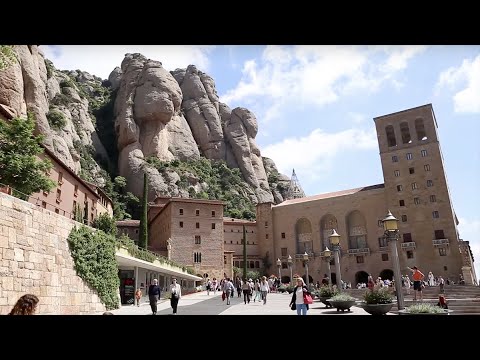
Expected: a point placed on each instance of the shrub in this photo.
(105, 223)
(326, 291)
(93, 253)
(56, 119)
(378, 296)
(424, 308)
(342, 297)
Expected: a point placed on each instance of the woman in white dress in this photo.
(431, 279)
(408, 284)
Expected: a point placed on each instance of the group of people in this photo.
(154, 294)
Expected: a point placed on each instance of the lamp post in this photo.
(279, 265)
(327, 255)
(390, 225)
(290, 267)
(335, 242)
(305, 261)
(169, 249)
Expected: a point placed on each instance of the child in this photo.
(442, 302)
(138, 296)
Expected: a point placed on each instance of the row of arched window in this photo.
(405, 133)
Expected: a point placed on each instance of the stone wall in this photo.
(35, 258)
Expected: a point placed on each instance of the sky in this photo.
(315, 105)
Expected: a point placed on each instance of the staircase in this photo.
(462, 299)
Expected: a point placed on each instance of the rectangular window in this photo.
(411, 170)
(409, 156)
(180, 211)
(404, 218)
(382, 241)
(401, 202)
(44, 204)
(426, 167)
(198, 239)
(414, 186)
(394, 158)
(429, 183)
(384, 257)
(396, 173)
(197, 225)
(266, 224)
(359, 259)
(60, 178)
(424, 153)
(407, 237)
(439, 234)
(409, 254)
(266, 236)
(416, 201)
(399, 188)
(75, 190)
(57, 211)
(380, 223)
(213, 226)
(284, 251)
(433, 198)
(59, 195)
(442, 251)
(435, 214)
(197, 212)
(181, 224)
(283, 235)
(284, 265)
(213, 213)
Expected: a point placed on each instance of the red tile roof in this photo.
(230, 220)
(128, 223)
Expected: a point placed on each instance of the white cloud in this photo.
(317, 75)
(318, 150)
(100, 60)
(356, 117)
(466, 100)
(469, 230)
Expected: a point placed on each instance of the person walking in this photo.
(431, 279)
(441, 283)
(176, 294)
(417, 276)
(264, 288)
(247, 291)
(297, 297)
(138, 296)
(209, 287)
(25, 305)
(154, 293)
(228, 289)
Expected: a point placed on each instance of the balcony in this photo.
(440, 242)
(408, 245)
(384, 249)
(361, 251)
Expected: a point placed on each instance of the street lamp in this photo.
(327, 255)
(335, 242)
(305, 261)
(279, 265)
(290, 267)
(390, 225)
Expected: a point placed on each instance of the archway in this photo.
(357, 230)
(361, 277)
(303, 230)
(334, 279)
(327, 224)
(386, 274)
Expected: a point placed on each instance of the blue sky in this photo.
(315, 105)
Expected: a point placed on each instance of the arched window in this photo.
(392, 141)
(327, 224)
(420, 129)
(405, 133)
(357, 230)
(303, 230)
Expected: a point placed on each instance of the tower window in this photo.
(213, 226)
(213, 213)
(439, 234)
(416, 201)
(410, 254)
(396, 173)
(284, 251)
(198, 239)
(394, 158)
(429, 183)
(409, 156)
(384, 257)
(399, 187)
(283, 235)
(411, 170)
(442, 251)
(197, 225)
(360, 260)
(433, 198)
(407, 237)
(266, 236)
(426, 167)
(390, 136)
(197, 212)
(420, 129)
(414, 186)
(181, 224)
(435, 214)
(404, 218)
(405, 133)
(266, 224)
(180, 211)
(402, 202)
(424, 153)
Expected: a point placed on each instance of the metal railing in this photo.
(440, 242)
(359, 251)
(409, 245)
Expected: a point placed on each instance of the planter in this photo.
(342, 304)
(324, 299)
(404, 312)
(376, 309)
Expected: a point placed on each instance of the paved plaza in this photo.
(202, 304)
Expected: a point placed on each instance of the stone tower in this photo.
(416, 192)
(295, 191)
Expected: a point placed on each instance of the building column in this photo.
(135, 275)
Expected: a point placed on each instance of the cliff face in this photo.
(157, 115)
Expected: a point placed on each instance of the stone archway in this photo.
(361, 277)
(386, 274)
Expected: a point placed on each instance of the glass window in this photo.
(384, 257)
(409, 156)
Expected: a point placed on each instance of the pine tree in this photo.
(143, 236)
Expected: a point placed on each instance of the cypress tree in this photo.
(244, 254)
(143, 236)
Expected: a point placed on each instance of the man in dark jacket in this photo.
(154, 295)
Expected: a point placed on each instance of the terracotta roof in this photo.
(230, 220)
(190, 200)
(128, 223)
(330, 195)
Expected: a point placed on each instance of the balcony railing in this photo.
(365, 251)
(409, 245)
(440, 242)
(384, 249)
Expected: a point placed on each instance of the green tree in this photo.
(20, 168)
(7, 56)
(106, 223)
(143, 236)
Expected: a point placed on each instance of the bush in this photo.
(378, 296)
(342, 297)
(56, 119)
(105, 223)
(93, 253)
(326, 291)
(424, 308)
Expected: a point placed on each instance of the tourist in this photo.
(26, 305)
(297, 297)
(442, 302)
(228, 289)
(441, 283)
(264, 287)
(417, 276)
(176, 294)
(370, 282)
(154, 295)
(247, 291)
(431, 279)
(138, 296)
(258, 292)
(214, 286)
(209, 286)
(408, 284)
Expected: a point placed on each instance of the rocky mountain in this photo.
(142, 119)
